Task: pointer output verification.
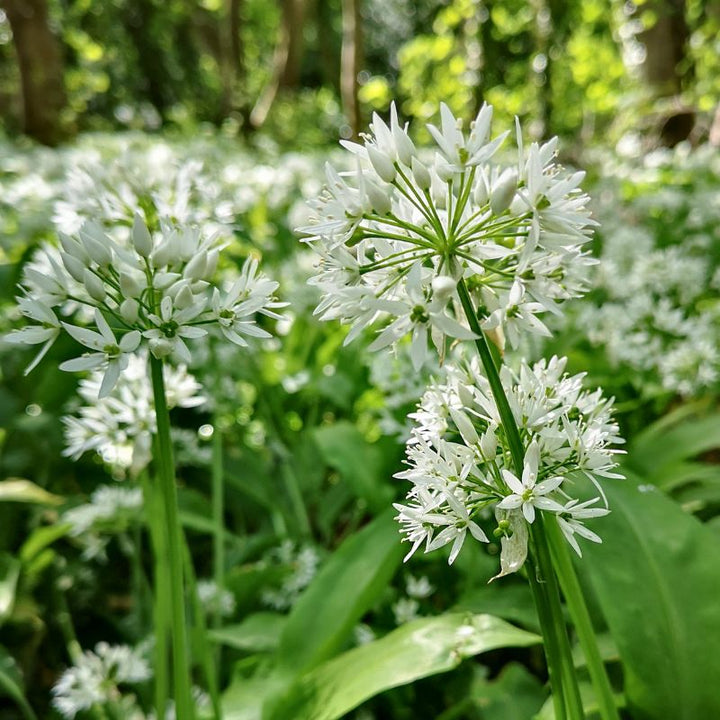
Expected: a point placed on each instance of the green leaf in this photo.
(657, 579)
(259, 632)
(515, 694)
(425, 647)
(9, 573)
(40, 538)
(20, 490)
(349, 583)
(11, 683)
(676, 437)
(360, 464)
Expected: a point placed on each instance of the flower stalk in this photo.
(544, 585)
(166, 480)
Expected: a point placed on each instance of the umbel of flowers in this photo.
(447, 245)
(141, 300)
(156, 292)
(461, 465)
(401, 230)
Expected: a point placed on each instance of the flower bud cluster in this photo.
(156, 290)
(460, 463)
(399, 231)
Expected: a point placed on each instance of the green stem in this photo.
(581, 619)
(207, 660)
(218, 514)
(557, 647)
(548, 578)
(166, 477)
(161, 597)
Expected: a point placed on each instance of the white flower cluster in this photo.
(460, 463)
(155, 291)
(107, 504)
(96, 677)
(119, 426)
(398, 233)
(301, 563)
(655, 310)
(215, 600)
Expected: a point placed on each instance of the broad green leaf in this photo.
(25, 491)
(259, 632)
(674, 438)
(424, 647)
(344, 448)
(657, 578)
(515, 694)
(245, 697)
(9, 573)
(349, 584)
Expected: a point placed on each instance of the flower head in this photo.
(461, 469)
(399, 221)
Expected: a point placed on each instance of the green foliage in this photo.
(656, 579)
(416, 650)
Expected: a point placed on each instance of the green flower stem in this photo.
(581, 619)
(218, 513)
(557, 645)
(548, 579)
(166, 478)
(201, 636)
(161, 597)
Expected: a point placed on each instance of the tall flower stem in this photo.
(161, 597)
(218, 513)
(545, 588)
(166, 479)
(583, 624)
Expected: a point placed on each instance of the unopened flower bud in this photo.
(382, 164)
(142, 241)
(162, 255)
(379, 197)
(195, 269)
(421, 174)
(160, 347)
(443, 287)
(131, 285)
(74, 248)
(465, 426)
(94, 285)
(444, 170)
(504, 191)
(96, 243)
(403, 144)
(129, 310)
(184, 298)
(481, 193)
(75, 268)
(488, 443)
(212, 262)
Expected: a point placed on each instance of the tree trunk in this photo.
(350, 63)
(286, 62)
(665, 44)
(41, 69)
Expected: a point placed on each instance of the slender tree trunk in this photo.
(350, 63)
(665, 44)
(286, 62)
(41, 69)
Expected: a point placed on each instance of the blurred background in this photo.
(302, 72)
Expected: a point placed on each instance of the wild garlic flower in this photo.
(119, 427)
(156, 292)
(461, 467)
(96, 678)
(399, 231)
